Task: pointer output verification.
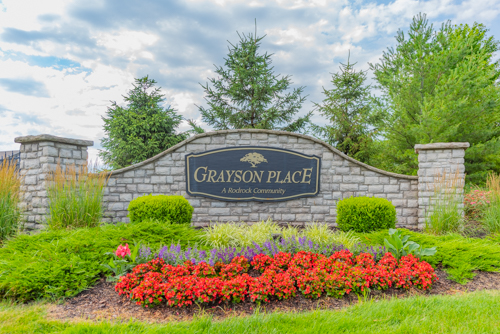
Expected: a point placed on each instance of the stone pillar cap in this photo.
(45, 137)
(441, 146)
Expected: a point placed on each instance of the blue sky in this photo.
(62, 61)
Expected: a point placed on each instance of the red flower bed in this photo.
(282, 277)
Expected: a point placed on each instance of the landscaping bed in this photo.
(103, 302)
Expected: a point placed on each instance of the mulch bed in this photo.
(102, 302)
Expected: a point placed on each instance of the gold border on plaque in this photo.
(252, 148)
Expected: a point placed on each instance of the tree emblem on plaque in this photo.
(253, 158)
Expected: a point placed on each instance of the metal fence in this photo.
(12, 158)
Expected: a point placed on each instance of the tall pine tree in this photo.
(140, 130)
(247, 93)
(348, 109)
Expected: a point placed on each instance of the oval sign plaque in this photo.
(252, 173)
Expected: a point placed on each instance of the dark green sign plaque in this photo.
(252, 173)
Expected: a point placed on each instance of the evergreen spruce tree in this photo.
(348, 109)
(140, 130)
(247, 93)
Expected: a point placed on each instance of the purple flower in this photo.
(144, 252)
(174, 254)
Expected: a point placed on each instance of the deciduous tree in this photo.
(441, 86)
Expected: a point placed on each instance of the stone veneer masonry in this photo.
(438, 163)
(341, 177)
(40, 156)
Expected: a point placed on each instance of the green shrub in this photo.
(175, 209)
(61, 263)
(365, 214)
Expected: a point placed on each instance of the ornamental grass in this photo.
(10, 183)
(446, 213)
(491, 215)
(241, 234)
(75, 197)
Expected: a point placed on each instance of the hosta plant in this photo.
(400, 246)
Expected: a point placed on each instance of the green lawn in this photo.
(477, 312)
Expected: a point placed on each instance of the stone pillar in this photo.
(436, 161)
(39, 156)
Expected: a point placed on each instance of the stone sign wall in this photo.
(340, 177)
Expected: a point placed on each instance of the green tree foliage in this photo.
(140, 130)
(441, 86)
(247, 93)
(348, 107)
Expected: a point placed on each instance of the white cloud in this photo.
(24, 14)
(290, 36)
(177, 47)
(127, 43)
(90, 93)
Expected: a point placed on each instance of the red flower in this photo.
(312, 274)
(122, 251)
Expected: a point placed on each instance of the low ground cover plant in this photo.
(61, 263)
(282, 276)
(163, 208)
(9, 199)
(365, 214)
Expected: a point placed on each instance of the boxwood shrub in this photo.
(365, 214)
(174, 209)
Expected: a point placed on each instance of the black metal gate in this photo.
(11, 157)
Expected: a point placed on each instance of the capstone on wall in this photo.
(441, 170)
(40, 156)
(341, 177)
